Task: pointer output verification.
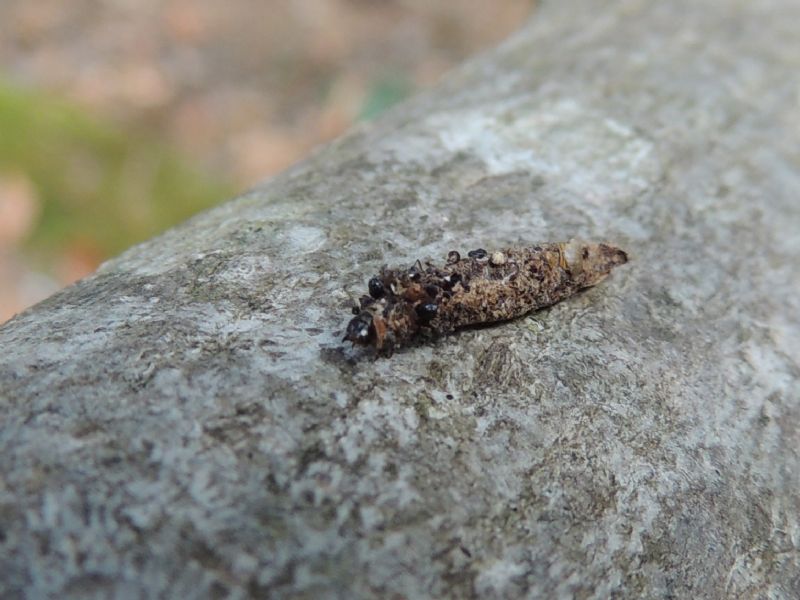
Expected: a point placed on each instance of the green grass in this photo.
(98, 184)
(383, 94)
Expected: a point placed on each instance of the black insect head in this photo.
(376, 288)
(360, 329)
(427, 311)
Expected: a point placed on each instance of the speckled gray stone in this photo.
(187, 424)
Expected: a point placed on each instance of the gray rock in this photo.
(187, 424)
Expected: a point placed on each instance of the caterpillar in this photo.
(483, 287)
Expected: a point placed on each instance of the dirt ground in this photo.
(241, 88)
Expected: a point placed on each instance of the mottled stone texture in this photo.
(187, 424)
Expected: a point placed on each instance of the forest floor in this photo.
(119, 118)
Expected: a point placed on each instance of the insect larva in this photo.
(483, 287)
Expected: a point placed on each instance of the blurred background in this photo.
(120, 118)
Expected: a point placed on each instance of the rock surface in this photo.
(186, 423)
